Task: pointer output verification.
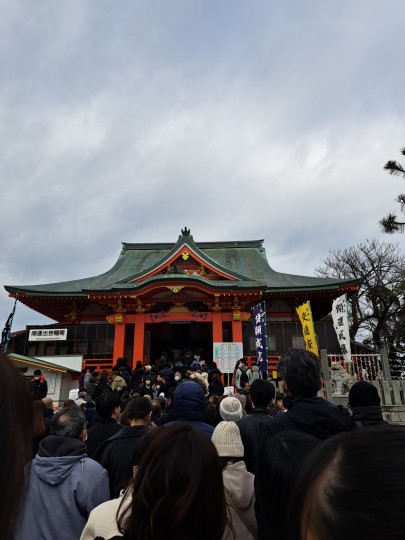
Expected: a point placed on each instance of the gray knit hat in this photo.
(227, 440)
(230, 408)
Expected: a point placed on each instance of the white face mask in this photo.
(177, 378)
(36, 378)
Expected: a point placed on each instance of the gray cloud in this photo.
(267, 120)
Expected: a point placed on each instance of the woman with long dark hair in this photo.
(177, 491)
(179, 475)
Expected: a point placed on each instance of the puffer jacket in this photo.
(368, 416)
(189, 407)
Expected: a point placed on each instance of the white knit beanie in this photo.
(227, 440)
(230, 409)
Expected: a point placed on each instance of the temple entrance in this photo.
(173, 338)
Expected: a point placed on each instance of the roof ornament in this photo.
(185, 232)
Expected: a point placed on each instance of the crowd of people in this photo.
(161, 452)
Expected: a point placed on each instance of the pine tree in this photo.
(390, 223)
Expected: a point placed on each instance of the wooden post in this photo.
(119, 340)
(326, 376)
(385, 362)
(139, 339)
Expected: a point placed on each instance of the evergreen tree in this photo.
(390, 223)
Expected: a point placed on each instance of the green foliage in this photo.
(390, 223)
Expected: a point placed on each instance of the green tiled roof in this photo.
(38, 361)
(244, 260)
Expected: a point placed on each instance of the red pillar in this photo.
(119, 338)
(139, 338)
(217, 327)
(237, 327)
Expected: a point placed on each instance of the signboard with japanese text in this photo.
(226, 355)
(51, 334)
(308, 330)
(260, 331)
(341, 325)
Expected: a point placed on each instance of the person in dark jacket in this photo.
(365, 404)
(215, 386)
(189, 407)
(137, 375)
(115, 454)
(92, 384)
(256, 427)
(301, 374)
(64, 484)
(108, 409)
(212, 371)
(38, 385)
(102, 385)
(168, 415)
(146, 387)
(125, 373)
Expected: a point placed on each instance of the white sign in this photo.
(51, 334)
(341, 325)
(226, 355)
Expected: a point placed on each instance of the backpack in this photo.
(243, 377)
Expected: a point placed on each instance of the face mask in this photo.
(177, 378)
(36, 378)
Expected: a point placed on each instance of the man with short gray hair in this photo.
(64, 483)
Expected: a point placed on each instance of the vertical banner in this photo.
(5, 335)
(341, 325)
(260, 331)
(308, 329)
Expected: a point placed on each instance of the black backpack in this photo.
(243, 377)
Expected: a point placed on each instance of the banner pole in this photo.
(7, 328)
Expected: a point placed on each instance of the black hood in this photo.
(368, 416)
(57, 446)
(317, 416)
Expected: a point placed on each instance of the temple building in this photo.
(163, 297)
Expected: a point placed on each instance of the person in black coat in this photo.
(146, 387)
(115, 454)
(215, 386)
(38, 385)
(137, 375)
(256, 427)
(108, 409)
(301, 374)
(365, 404)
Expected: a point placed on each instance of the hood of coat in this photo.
(57, 456)
(317, 416)
(189, 401)
(368, 415)
(239, 485)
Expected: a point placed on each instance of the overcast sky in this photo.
(126, 121)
